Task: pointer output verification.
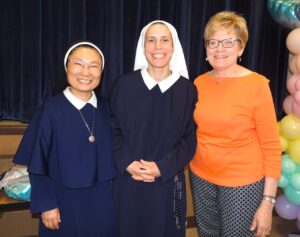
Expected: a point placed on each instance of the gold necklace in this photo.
(91, 137)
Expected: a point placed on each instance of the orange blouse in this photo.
(237, 138)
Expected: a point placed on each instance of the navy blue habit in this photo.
(69, 172)
(154, 126)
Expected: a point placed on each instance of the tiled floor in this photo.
(281, 228)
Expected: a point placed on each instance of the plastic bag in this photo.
(18, 188)
(13, 173)
(16, 183)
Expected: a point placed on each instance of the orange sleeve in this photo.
(266, 127)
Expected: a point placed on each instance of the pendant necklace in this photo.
(91, 137)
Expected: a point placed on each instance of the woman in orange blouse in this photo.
(236, 167)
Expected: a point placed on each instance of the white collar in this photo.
(78, 103)
(164, 85)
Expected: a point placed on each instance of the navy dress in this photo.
(154, 126)
(67, 171)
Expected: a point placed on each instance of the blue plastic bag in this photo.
(18, 188)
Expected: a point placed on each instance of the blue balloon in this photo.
(285, 12)
(292, 195)
(288, 166)
(295, 181)
(283, 181)
(284, 155)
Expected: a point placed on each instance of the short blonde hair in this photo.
(229, 21)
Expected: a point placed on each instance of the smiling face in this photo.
(158, 47)
(224, 59)
(83, 71)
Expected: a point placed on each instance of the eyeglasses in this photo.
(227, 43)
(79, 64)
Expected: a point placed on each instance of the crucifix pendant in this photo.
(92, 138)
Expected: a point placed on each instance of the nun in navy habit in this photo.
(67, 148)
(153, 136)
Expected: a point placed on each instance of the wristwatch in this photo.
(270, 199)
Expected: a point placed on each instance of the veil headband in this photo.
(83, 43)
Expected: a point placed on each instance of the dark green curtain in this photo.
(34, 35)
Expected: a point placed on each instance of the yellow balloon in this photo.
(284, 143)
(278, 126)
(294, 151)
(290, 127)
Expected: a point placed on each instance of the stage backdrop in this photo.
(34, 35)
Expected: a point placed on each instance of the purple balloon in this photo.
(285, 209)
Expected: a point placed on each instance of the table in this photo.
(9, 204)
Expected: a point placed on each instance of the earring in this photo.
(206, 59)
(240, 59)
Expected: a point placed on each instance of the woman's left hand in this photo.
(152, 167)
(262, 221)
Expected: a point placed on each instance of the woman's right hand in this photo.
(51, 219)
(140, 172)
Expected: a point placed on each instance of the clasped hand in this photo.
(145, 171)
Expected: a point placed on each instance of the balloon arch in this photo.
(287, 206)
